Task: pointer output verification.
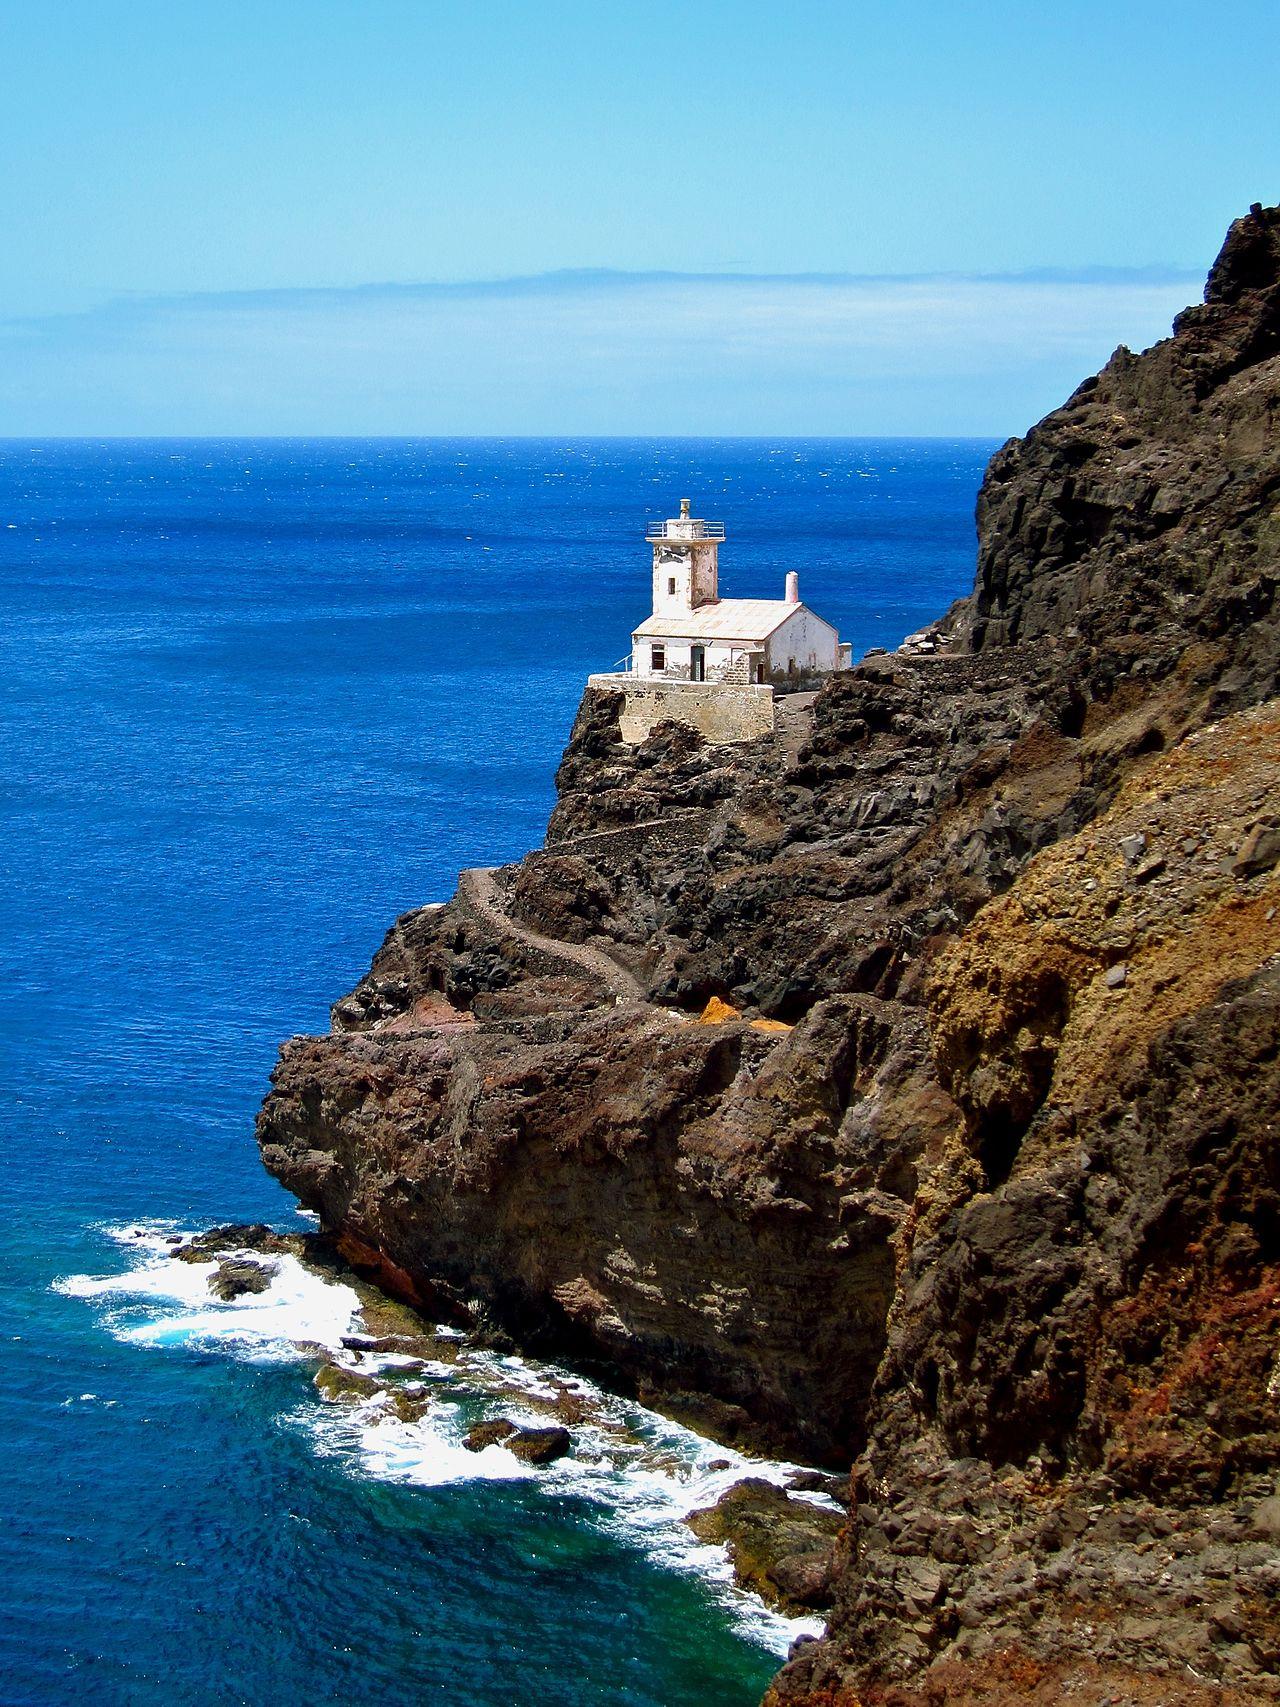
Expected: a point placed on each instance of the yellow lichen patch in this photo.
(717, 1011)
(1112, 936)
(1169, 978)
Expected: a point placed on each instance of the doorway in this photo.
(697, 663)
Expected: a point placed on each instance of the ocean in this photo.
(259, 698)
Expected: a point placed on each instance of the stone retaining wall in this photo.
(722, 712)
(616, 848)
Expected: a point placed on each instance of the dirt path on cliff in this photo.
(479, 890)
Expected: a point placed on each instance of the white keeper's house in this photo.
(695, 639)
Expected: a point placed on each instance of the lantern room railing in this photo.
(684, 530)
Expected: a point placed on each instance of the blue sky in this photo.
(404, 216)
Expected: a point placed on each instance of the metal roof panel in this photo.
(727, 619)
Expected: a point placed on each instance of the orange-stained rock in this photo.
(717, 1011)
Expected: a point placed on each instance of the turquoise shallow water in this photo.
(258, 698)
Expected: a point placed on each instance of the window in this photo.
(659, 655)
(671, 586)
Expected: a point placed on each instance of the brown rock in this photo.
(1259, 851)
(539, 1445)
(236, 1276)
(780, 1547)
(492, 1433)
(410, 1404)
(226, 1241)
(337, 1385)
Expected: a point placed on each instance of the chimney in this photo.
(793, 588)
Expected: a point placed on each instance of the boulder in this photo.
(491, 1433)
(339, 1386)
(1259, 851)
(228, 1240)
(781, 1548)
(238, 1276)
(539, 1445)
(409, 1404)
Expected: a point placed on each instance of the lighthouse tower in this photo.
(711, 663)
(686, 565)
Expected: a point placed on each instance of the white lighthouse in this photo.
(694, 635)
(686, 562)
(715, 664)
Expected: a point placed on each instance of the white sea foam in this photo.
(641, 1472)
(638, 1474)
(430, 1453)
(296, 1306)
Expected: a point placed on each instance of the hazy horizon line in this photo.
(585, 354)
(567, 279)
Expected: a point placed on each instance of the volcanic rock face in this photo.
(999, 1215)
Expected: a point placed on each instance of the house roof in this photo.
(727, 619)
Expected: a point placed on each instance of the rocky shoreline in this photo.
(900, 1090)
(778, 1536)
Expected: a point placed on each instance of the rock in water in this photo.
(995, 1227)
(225, 1241)
(409, 1404)
(539, 1445)
(339, 1386)
(237, 1276)
(782, 1548)
(491, 1433)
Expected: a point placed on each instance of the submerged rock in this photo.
(409, 1404)
(430, 1348)
(532, 1445)
(226, 1241)
(338, 1385)
(491, 1433)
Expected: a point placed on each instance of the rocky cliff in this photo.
(970, 1176)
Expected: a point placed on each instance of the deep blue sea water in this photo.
(258, 698)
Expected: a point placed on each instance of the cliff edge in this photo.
(970, 1178)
